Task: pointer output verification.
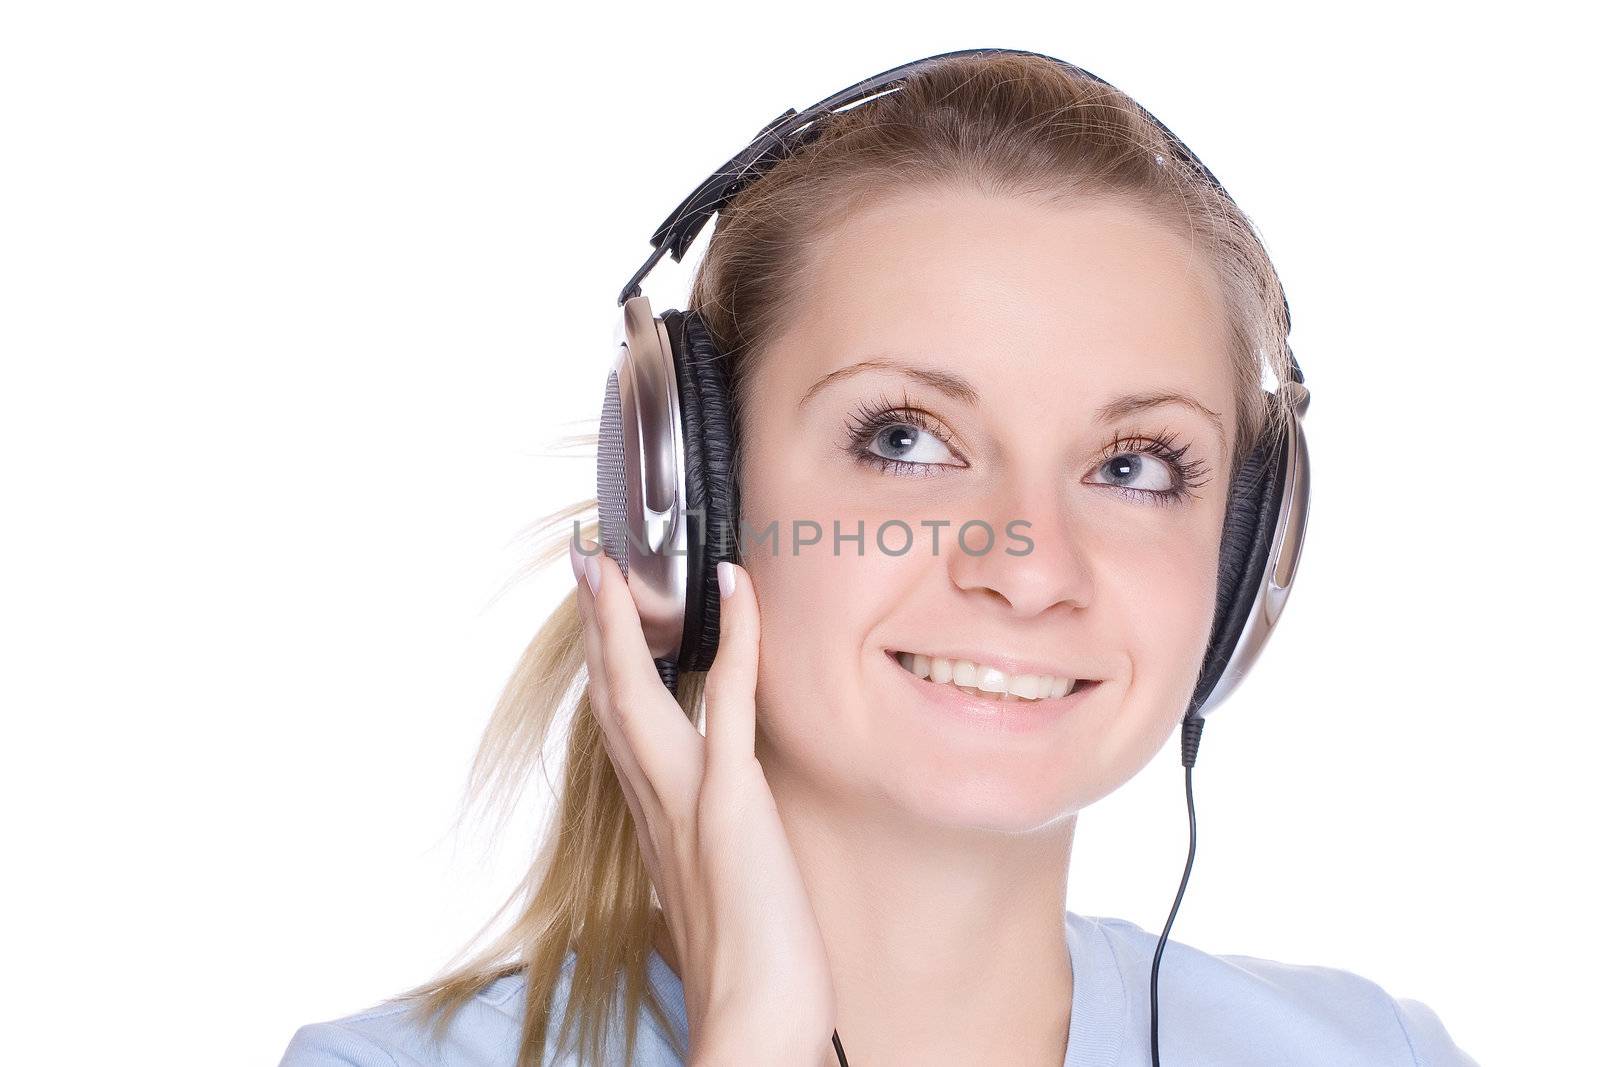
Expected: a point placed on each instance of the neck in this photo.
(947, 945)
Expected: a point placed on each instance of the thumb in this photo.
(731, 681)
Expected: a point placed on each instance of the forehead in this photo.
(1037, 304)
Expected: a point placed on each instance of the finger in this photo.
(599, 692)
(660, 736)
(731, 681)
(623, 763)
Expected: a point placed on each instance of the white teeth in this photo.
(984, 680)
(1025, 686)
(991, 680)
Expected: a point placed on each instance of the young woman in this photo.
(995, 298)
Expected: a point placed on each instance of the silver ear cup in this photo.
(639, 477)
(1288, 537)
(611, 479)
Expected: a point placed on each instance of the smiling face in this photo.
(1005, 338)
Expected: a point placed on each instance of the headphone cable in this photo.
(1192, 725)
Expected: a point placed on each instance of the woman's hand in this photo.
(755, 974)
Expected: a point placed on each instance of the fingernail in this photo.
(591, 570)
(725, 579)
(577, 560)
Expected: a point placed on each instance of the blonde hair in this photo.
(1008, 124)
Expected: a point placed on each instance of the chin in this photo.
(965, 761)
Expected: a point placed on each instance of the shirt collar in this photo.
(1099, 998)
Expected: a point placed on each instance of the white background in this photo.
(295, 297)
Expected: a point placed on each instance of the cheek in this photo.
(1171, 597)
(809, 675)
(814, 605)
(1168, 600)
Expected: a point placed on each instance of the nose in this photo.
(1035, 560)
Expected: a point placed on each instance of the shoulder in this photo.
(1243, 1006)
(390, 1035)
(486, 1033)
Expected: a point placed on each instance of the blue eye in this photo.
(1129, 469)
(902, 440)
(1156, 462)
(909, 444)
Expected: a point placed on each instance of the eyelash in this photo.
(871, 418)
(1164, 446)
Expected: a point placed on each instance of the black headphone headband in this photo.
(780, 137)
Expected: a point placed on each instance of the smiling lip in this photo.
(1007, 716)
(1009, 664)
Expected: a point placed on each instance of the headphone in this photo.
(664, 472)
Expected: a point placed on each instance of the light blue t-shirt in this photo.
(1216, 1011)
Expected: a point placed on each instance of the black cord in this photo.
(839, 1048)
(1191, 747)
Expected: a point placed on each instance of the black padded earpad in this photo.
(705, 408)
(1253, 502)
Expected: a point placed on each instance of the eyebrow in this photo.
(952, 385)
(959, 389)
